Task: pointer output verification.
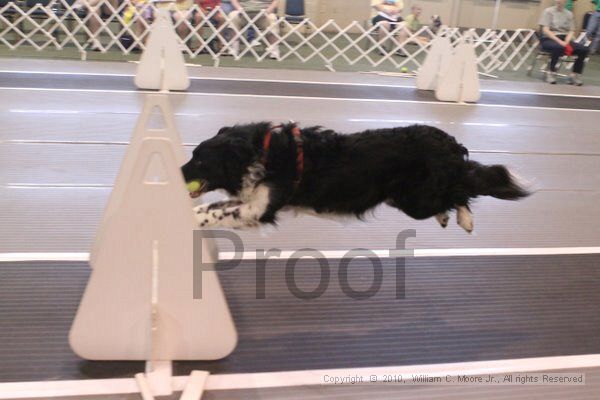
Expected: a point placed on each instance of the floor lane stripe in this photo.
(254, 96)
(335, 254)
(299, 82)
(89, 387)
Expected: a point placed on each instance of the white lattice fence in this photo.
(105, 27)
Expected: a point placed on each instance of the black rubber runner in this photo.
(454, 309)
(125, 83)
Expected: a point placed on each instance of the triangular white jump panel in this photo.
(460, 82)
(138, 304)
(162, 66)
(435, 63)
(153, 102)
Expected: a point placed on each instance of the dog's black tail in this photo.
(495, 181)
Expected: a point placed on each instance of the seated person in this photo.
(593, 28)
(138, 12)
(97, 9)
(206, 8)
(412, 19)
(414, 24)
(180, 11)
(557, 28)
(226, 6)
(386, 15)
(252, 8)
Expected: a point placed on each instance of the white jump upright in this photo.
(145, 252)
(434, 65)
(139, 302)
(152, 104)
(162, 66)
(460, 81)
(451, 73)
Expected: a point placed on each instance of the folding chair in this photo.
(544, 56)
(294, 13)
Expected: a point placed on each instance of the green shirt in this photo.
(412, 22)
(597, 3)
(559, 22)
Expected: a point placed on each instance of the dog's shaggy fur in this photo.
(418, 169)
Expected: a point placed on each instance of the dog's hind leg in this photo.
(464, 218)
(442, 219)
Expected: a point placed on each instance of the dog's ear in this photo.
(242, 150)
(223, 130)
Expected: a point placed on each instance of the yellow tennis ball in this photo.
(404, 70)
(194, 186)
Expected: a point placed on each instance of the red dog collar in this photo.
(299, 155)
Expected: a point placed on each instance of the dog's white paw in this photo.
(464, 218)
(202, 208)
(205, 219)
(443, 219)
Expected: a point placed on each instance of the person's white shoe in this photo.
(255, 43)
(274, 53)
(575, 79)
(551, 77)
(234, 50)
(95, 45)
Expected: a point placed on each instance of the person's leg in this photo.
(93, 24)
(114, 4)
(140, 28)
(236, 19)
(403, 32)
(402, 37)
(187, 21)
(236, 23)
(104, 10)
(226, 8)
(198, 23)
(270, 22)
(179, 19)
(384, 28)
(145, 20)
(555, 50)
(217, 21)
(580, 52)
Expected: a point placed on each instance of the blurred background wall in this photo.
(463, 13)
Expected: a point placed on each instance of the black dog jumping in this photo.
(418, 169)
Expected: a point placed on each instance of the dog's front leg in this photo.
(204, 208)
(241, 216)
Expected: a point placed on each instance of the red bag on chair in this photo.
(568, 49)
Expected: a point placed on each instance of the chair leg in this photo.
(545, 66)
(532, 66)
